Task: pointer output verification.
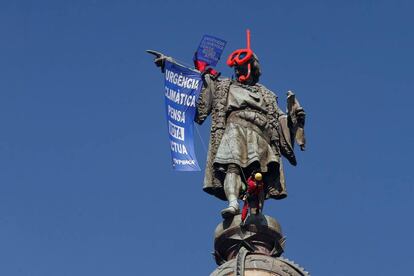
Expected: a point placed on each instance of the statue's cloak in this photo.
(213, 100)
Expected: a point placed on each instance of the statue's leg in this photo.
(232, 187)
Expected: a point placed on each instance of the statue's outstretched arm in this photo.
(204, 102)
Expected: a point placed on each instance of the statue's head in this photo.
(246, 64)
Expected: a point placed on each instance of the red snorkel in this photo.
(240, 57)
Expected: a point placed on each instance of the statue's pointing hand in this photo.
(159, 59)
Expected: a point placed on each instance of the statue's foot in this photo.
(230, 211)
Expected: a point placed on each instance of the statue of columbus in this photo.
(249, 132)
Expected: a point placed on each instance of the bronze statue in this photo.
(249, 132)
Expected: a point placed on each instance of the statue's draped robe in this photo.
(269, 133)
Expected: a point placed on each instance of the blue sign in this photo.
(210, 49)
(182, 88)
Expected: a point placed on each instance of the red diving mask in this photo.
(241, 57)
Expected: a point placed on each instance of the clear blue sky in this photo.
(86, 185)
